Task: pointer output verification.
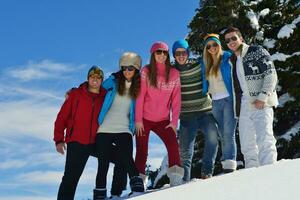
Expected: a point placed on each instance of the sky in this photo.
(271, 182)
(46, 48)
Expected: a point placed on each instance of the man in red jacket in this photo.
(79, 117)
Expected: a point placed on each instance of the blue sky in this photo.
(46, 47)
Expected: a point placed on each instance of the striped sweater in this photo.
(192, 100)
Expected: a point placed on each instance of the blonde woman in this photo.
(217, 82)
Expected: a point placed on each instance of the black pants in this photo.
(77, 156)
(123, 142)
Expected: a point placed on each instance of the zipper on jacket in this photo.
(93, 106)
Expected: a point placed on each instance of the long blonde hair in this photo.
(212, 66)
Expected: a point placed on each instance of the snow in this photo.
(269, 43)
(253, 19)
(254, 2)
(297, 20)
(278, 13)
(272, 182)
(163, 170)
(287, 30)
(285, 98)
(282, 57)
(293, 131)
(264, 12)
(279, 57)
(260, 35)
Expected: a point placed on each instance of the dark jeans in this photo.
(77, 156)
(123, 142)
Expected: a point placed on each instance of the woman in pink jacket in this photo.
(159, 96)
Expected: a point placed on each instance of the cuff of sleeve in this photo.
(262, 97)
(174, 123)
(58, 142)
(138, 121)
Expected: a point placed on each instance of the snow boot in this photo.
(206, 176)
(115, 197)
(136, 184)
(229, 166)
(175, 174)
(145, 180)
(99, 194)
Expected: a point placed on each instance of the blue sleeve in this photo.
(203, 77)
(108, 83)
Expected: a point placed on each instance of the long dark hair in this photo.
(134, 89)
(153, 71)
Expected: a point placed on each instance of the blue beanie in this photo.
(180, 44)
(211, 37)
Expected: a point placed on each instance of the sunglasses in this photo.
(211, 45)
(181, 53)
(228, 40)
(129, 68)
(161, 52)
(96, 76)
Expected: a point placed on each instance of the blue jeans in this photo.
(189, 127)
(223, 113)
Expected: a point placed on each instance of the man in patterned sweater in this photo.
(254, 80)
(195, 113)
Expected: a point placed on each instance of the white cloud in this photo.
(12, 164)
(50, 159)
(45, 69)
(13, 91)
(34, 118)
(39, 177)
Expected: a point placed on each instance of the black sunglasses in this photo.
(129, 68)
(228, 40)
(211, 45)
(160, 52)
(181, 53)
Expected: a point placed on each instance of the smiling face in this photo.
(181, 56)
(233, 41)
(160, 56)
(212, 47)
(128, 72)
(94, 82)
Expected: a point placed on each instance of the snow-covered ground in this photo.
(273, 182)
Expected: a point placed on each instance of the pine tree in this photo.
(260, 23)
(213, 16)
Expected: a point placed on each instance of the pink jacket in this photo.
(155, 104)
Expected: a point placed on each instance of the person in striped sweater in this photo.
(195, 113)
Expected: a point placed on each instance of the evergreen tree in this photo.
(260, 23)
(213, 16)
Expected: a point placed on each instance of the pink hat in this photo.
(159, 46)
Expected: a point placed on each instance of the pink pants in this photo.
(166, 135)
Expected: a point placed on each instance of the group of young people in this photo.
(211, 95)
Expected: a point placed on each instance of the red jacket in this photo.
(79, 116)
